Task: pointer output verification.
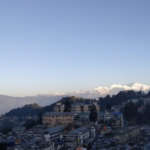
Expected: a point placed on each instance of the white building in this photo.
(77, 137)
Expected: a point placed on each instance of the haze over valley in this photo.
(10, 102)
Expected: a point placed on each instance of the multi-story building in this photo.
(59, 107)
(82, 117)
(117, 120)
(76, 107)
(107, 116)
(55, 118)
(124, 135)
(77, 137)
(54, 133)
(83, 107)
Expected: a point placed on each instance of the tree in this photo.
(3, 146)
(30, 124)
(69, 127)
(82, 108)
(6, 126)
(93, 114)
(130, 111)
(39, 121)
(146, 115)
(67, 104)
(108, 107)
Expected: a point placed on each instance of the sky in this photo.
(55, 46)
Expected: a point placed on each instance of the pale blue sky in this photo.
(65, 45)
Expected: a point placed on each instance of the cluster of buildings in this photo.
(79, 137)
(59, 116)
(36, 138)
(42, 138)
(54, 118)
(77, 107)
(73, 130)
(129, 138)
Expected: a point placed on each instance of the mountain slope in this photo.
(7, 102)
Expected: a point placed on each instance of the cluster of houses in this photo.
(73, 130)
(54, 138)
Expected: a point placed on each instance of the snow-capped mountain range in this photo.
(8, 102)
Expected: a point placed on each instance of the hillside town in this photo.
(77, 124)
(74, 74)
